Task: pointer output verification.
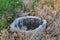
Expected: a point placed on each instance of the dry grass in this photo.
(52, 31)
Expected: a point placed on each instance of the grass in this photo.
(34, 4)
(4, 4)
(47, 2)
(8, 11)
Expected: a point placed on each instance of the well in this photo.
(25, 28)
(28, 23)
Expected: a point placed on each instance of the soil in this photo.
(52, 31)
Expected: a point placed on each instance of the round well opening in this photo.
(29, 23)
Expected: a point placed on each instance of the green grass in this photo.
(3, 17)
(4, 4)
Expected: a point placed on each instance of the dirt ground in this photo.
(52, 31)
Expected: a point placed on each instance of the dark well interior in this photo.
(30, 23)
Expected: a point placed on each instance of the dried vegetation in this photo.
(52, 31)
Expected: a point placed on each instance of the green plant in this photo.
(3, 22)
(47, 2)
(3, 17)
(4, 4)
(15, 6)
(34, 4)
